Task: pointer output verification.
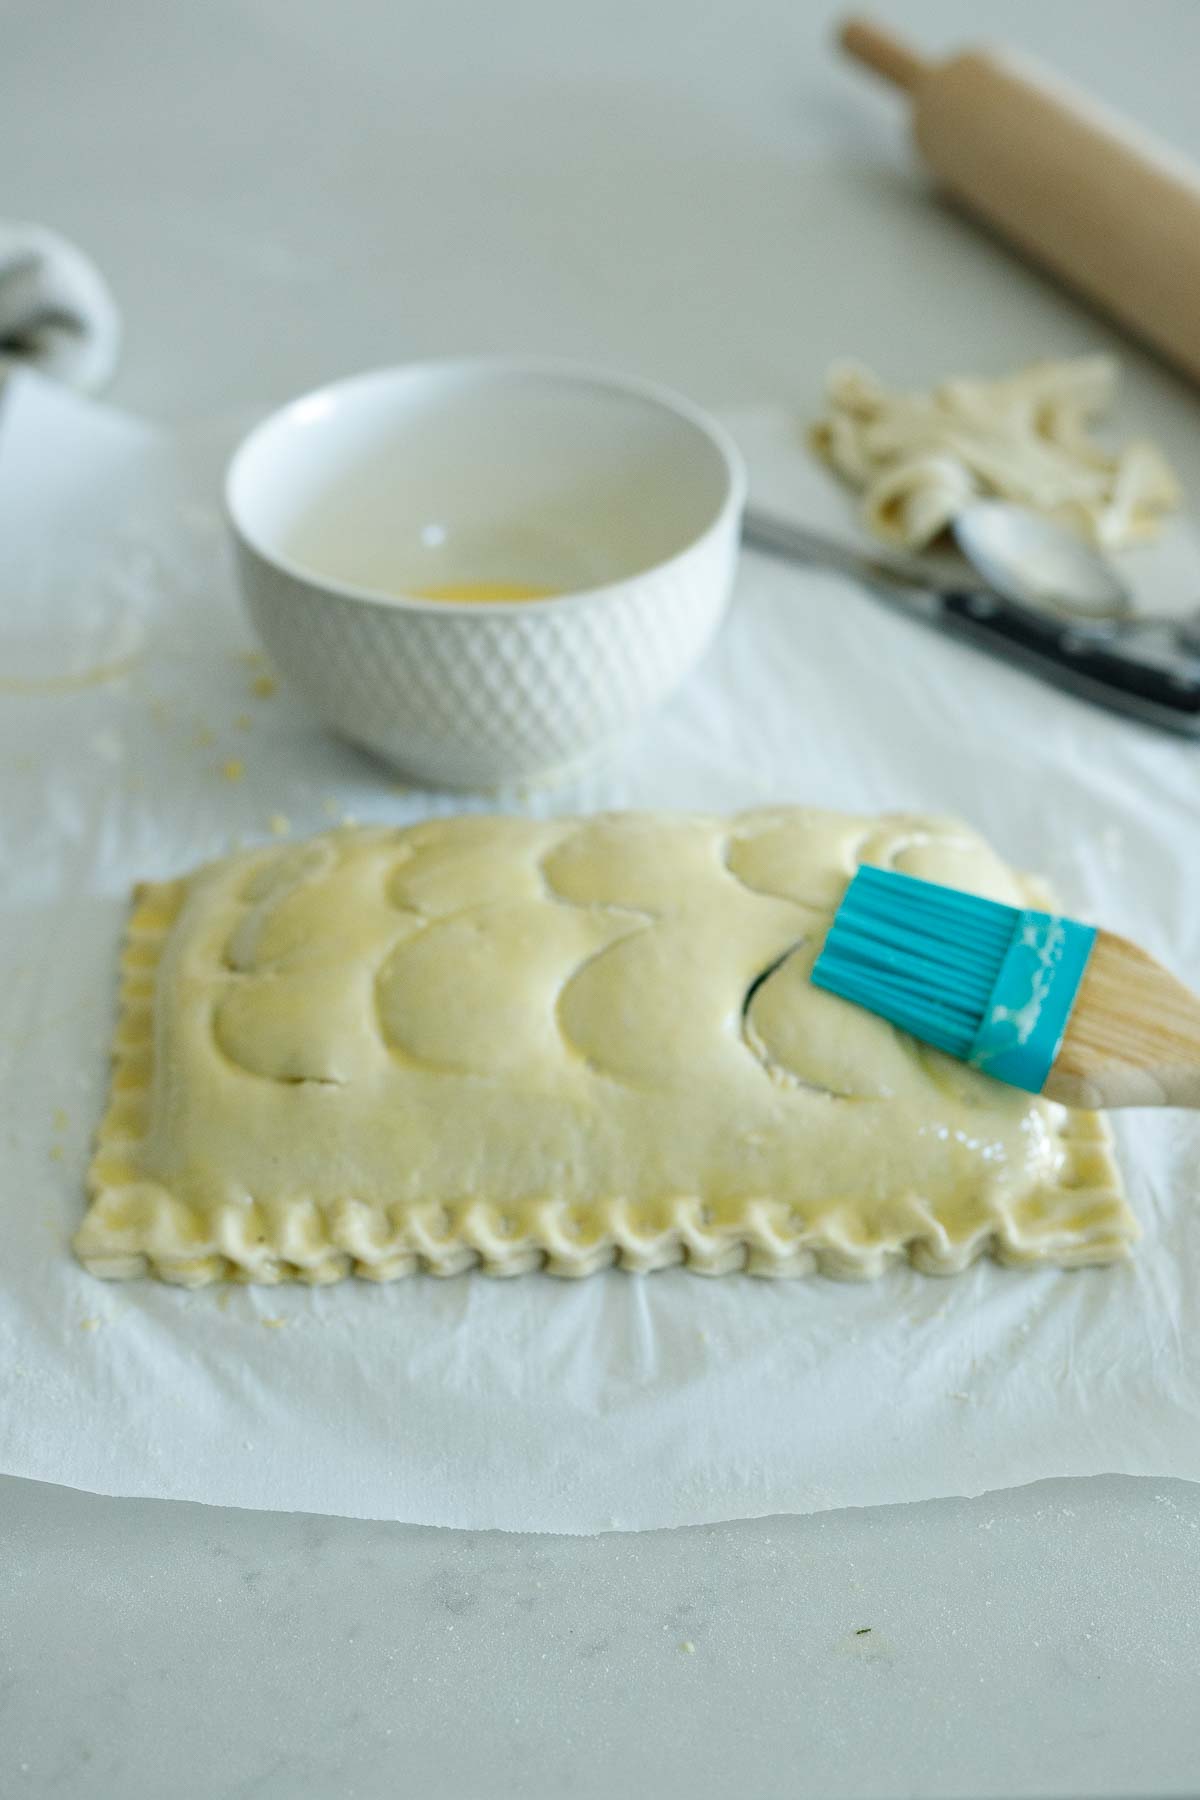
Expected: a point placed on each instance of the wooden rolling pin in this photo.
(1092, 197)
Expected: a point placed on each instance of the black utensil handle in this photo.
(1081, 660)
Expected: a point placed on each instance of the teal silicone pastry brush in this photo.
(1041, 1002)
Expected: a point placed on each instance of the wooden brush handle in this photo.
(1125, 1088)
(1133, 1037)
(1075, 187)
(1176, 1087)
(1116, 1087)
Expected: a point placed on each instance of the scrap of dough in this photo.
(562, 1044)
(918, 459)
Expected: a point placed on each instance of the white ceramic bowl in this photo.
(621, 499)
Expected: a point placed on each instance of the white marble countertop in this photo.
(282, 190)
(1041, 1642)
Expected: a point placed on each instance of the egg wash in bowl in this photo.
(486, 570)
(473, 483)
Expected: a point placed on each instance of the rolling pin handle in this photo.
(889, 56)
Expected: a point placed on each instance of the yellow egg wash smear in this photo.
(483, 592)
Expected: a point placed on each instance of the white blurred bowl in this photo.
(620, 498)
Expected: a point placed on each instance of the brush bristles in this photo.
(923, 956)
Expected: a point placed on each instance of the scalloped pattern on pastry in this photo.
(511, 1044)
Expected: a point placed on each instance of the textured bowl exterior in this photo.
(473, 698)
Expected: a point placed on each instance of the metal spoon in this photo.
(1039, 563)
(1042, 564)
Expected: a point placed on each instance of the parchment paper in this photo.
(534, 1404)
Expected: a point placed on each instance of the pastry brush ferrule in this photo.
(990, 984)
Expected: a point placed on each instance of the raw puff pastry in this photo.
(919, 459)
(512, 1043)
